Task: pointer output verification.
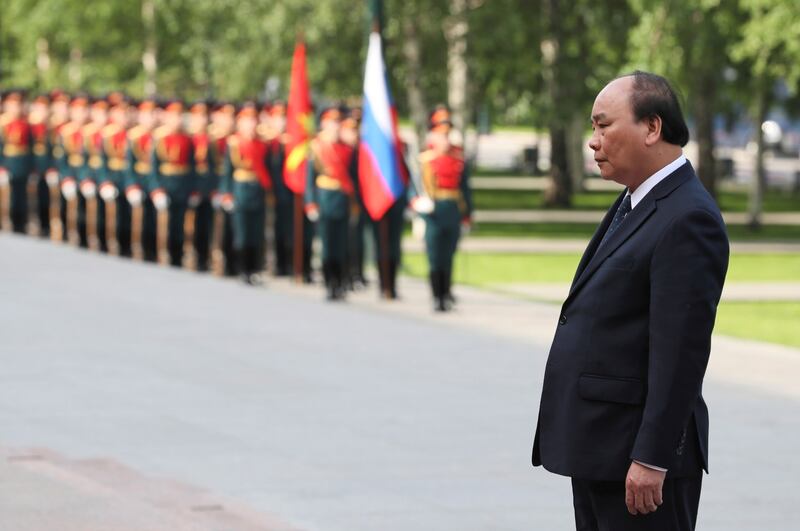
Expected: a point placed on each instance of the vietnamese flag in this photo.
(299, 123)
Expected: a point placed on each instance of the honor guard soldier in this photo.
(172, 181)
(38, 118)
(285, 204)
(94, 172)
(200, 201)
(59, 116)
(358, 214)
(70, 167)
(223, 256)
(246, 183)
(137, 182)
(15, 161)
(112, 183)
(330, 194)
(445, 179)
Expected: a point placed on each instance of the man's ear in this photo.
(653, 130)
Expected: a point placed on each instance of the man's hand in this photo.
(643, 489)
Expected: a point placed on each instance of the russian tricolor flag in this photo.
(380, 169)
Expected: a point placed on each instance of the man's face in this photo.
(331, 126)
(198, 122)
(99, 115)
(173, 119)
(618, 141)
(278, 123)
(60, 111)
(78, 113)
(147, 118)
(439, 141)
(246, 125)
(13, 108)
(119, 115)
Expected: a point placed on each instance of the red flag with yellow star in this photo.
(299, 123)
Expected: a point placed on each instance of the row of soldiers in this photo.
(192, 187)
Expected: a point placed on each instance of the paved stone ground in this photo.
(357, 416)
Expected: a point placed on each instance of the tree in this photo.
(770, 47)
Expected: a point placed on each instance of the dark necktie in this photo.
(623, 210)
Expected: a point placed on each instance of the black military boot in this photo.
(392, 284)
(447, 288)
(327, 276)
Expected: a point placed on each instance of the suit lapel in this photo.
(597, 238)
(594, 257)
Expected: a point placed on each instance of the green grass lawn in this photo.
(775, 322)
(585, 231)
(485, 269)
(765, 321)
(774, 201)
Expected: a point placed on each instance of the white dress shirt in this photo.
(653, 180)
(636, 198)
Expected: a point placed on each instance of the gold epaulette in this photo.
(160, 132)
(233, 140)
(427, 155)
(69, 128)
(89, 129)
(135, 132)
(110, 130)
(4, 120)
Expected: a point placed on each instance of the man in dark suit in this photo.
(622, 411)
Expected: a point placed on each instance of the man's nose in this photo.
(594, 141)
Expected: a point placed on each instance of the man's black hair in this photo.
(651, 96)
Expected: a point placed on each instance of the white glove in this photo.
(312, 213)
(108, 192)
(194, 200)
(70, 189)
(422, 205)
(216, 200)
(4, 178)
(227, 203)
(88, 189)
(160, 201)
(51, 177)
(134, 196)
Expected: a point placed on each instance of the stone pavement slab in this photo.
(342, 417)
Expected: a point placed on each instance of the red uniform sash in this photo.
(335, 158)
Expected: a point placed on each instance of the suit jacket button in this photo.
(562, 320)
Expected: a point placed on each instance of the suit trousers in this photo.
(600, 506)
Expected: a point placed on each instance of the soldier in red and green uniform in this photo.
(330, 193)
(222, 125)
(246, 182)
(206, 181)
(137, 177)
(15, 156)
(285, 202)
(351, 123)
(172, 175)
(59, 116)
(113, 180)
(94, 172)
(38, 117)
(71, 158)
(445, 179)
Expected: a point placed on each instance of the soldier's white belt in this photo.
(244, 176)
(142, 167)
(11, 150)
(170, 169)
(116, 164)
(326, 182)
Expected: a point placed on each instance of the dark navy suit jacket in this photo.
(624, 376)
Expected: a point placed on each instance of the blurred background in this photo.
(520, 77)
